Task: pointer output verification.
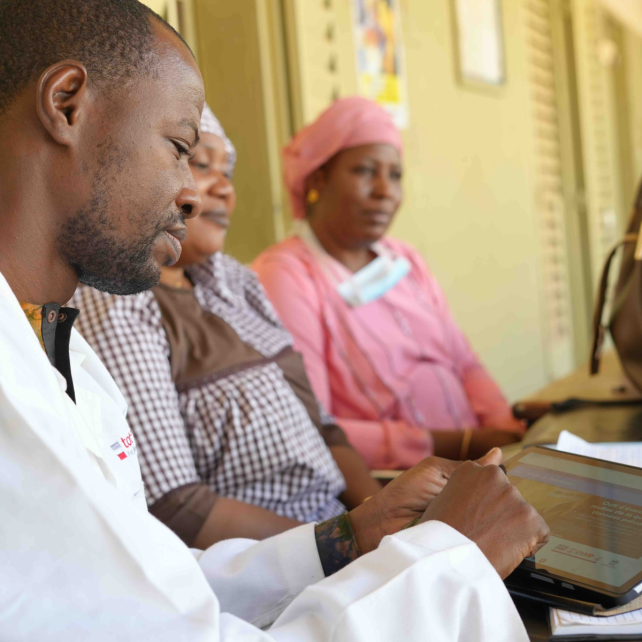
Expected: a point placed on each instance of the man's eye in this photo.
(362, 169)
(182, 150)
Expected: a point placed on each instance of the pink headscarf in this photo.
(348, 122)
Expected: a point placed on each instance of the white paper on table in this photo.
(565, 623)
(628, 452)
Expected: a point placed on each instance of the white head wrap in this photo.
(211, 125)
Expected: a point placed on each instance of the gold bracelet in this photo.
(465, 444)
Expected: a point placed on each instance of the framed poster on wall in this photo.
(480, 42)
(380, 56)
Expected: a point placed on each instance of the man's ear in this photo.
(61, 99)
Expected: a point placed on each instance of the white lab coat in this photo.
(81, 559)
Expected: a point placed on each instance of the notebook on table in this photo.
(578, 627)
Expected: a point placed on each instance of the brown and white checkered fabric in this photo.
(246, 435)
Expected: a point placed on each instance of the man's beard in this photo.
(90, 243)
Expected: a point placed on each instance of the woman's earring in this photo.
(313, 196)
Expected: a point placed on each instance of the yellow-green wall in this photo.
(469, 205)
(633, 70)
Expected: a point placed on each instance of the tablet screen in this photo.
(594, 511)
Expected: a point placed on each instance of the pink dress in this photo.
(389, 370)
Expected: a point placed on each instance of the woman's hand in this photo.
(448, 443)
(483, 439)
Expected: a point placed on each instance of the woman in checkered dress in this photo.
(231, 440)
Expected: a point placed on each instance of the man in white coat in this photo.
(100, 106)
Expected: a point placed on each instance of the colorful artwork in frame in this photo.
(380, 56)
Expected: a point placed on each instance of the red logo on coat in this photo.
(128, 441)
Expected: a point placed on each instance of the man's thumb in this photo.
(492, 458)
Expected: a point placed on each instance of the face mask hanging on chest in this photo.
(373, 281)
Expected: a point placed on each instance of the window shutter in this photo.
(549, 187)
(598, 135)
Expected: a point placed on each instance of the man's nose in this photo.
(189, 200)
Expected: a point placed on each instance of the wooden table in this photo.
(592, 424)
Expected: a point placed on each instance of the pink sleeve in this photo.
(488, 402)
(387, 444)
(484, 395)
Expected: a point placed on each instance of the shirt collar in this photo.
(34, 314)
(52, 325)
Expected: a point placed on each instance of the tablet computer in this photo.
(594, 511)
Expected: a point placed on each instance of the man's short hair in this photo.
(112, 38)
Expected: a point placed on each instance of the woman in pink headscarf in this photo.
(380, 345)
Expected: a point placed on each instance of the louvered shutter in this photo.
(549, 187)
(598, 135)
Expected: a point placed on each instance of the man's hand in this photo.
(482, 504)
(406, 498)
